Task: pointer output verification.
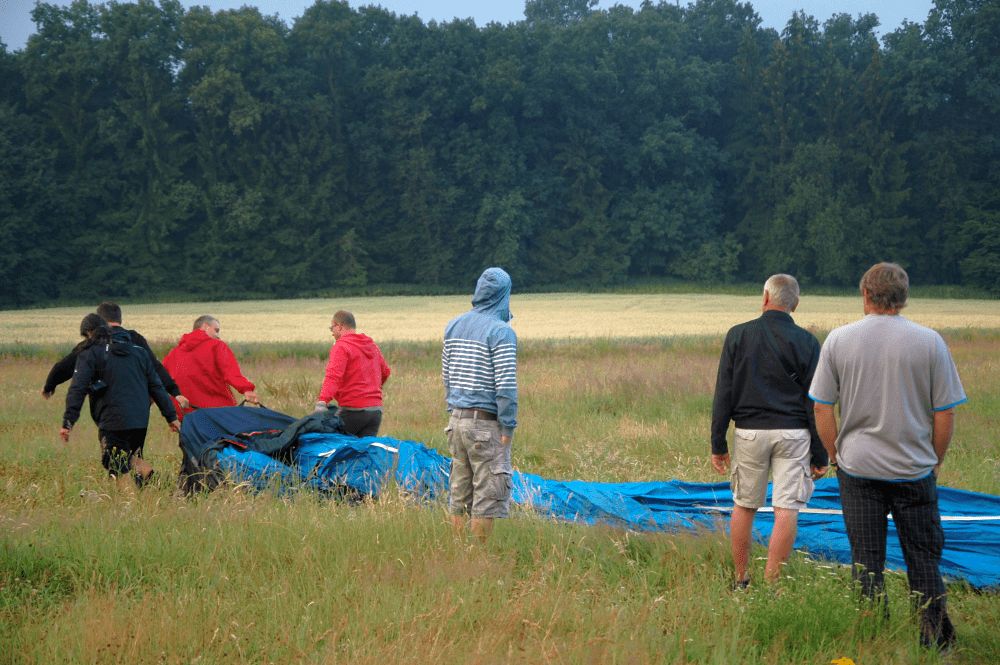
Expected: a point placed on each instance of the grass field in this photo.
(91, 574)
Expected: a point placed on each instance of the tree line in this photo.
(149, 150)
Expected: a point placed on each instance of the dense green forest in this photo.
(147, 149)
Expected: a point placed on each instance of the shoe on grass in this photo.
(742, 585)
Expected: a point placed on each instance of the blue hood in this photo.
(492, 296)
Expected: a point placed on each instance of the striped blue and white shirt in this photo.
(479, 359)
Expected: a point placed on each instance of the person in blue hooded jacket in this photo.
(479, 368)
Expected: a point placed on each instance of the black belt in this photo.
(473, 413)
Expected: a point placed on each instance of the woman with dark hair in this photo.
(120, 379)
(90, 323)
(63, 370)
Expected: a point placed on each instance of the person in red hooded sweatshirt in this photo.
(354, 377)
(204, 367)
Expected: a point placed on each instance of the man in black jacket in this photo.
(764, 373)
(111, 312)
(120, 379)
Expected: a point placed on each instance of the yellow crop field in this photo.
(536, 316)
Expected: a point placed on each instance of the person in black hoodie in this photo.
(120, 379)
(110, 313)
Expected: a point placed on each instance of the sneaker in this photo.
(742, 585)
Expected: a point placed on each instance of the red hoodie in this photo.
(355, 373)
(204, 368)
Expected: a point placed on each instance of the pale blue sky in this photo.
(16, 25)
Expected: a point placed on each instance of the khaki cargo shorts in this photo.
(480, 483)
(782, 452)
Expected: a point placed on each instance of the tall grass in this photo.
(91, 573)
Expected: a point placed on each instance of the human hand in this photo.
(251, 397)
(721, 463)
(819, 471)
(505, 439)
(183, 402)
(319, 407)
(46, 394)
(175, 426)
(64, 434)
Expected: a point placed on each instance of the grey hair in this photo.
(202, 320)
(887, 285)
(784, 291)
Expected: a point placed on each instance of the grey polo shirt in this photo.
(889, 375)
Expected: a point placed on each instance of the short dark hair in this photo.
(345, 318)
(110, 312)
(202, 320)
(887, 286)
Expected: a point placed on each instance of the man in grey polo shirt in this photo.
(897, 387)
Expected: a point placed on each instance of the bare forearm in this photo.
(944, 427)
(826, 427)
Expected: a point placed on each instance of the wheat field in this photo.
(536, 317)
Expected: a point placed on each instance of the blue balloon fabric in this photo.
(367, 466)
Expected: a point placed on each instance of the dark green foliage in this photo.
(148, 150)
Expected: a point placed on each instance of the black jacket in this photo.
(754, 390)
(127, 369)
(62, 371)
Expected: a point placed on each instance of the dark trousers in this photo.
(914, 507)
(118, 447)
(359, 422)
